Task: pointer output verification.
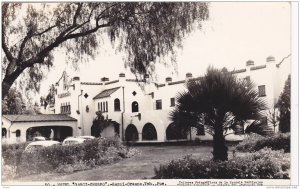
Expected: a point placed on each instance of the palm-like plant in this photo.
(219, 102)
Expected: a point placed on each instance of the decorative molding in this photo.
(90, 83)
(176, 82)
(62, 95)
(258, 67)
(238, 71)
(136, 80)
(111, 82)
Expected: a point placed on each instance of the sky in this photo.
(234, 33)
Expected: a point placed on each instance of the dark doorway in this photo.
(58, 133)
(174, 133)
(131, 133)
(149, 132)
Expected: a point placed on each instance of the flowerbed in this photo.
(263, 164)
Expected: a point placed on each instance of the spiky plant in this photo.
(220, 102)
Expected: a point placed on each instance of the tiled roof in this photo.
(39, 118)
(106, 93)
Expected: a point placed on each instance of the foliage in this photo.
(273, 117)
(99, 124)
(220, 102)
(145, 31)
(284, 106)
(12, 153)
(71, 158)
(50, 98)
(13, 103)
(264, 164)
(281, 141)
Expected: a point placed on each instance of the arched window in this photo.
(106, 106)
(117, 105)
(18, 133)
(135, 107)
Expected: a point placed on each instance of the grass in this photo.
(140, 166)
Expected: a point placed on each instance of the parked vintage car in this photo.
(39, 138)
(72, 140)
(86, 137)
(40, 144)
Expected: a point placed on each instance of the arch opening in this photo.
(58, 133)
(149, 132)
(175, 133)
(131, 133)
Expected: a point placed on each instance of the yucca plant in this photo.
(220, 102)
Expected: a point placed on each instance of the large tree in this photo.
(219, 102)
(144, 31)
(284, 106)
(13, 103)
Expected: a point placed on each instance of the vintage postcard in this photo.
(149, 93)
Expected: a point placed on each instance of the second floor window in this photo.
(172, 102)
(65, 108)
(135, 106)
(158, 105)
(117, 105)
(262, 90)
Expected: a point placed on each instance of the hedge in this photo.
(264, 164)
(280, 141)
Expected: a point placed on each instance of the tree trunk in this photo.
(219, 147)
(5, 88)
(8, 81)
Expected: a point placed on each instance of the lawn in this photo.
(140, 166)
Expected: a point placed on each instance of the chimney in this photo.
(168, 79)
(250, 63)
(188, 75)
(122, 78)
(121, 75)
(270, 59)
(76, 78)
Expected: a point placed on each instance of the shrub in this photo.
(275, 142)
(67, 158)
(12, 153)
(264, 164)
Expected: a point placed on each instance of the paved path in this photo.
(140, 166)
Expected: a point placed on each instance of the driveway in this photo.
(140, 166)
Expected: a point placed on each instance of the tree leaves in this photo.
(144, 31)
(218, 96)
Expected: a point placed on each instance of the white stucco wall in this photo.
(272, 77)
(12, 127)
